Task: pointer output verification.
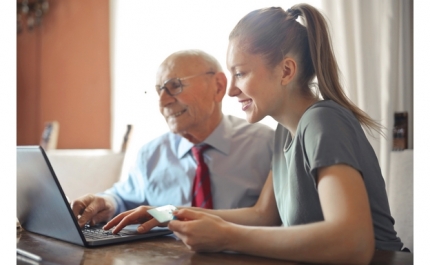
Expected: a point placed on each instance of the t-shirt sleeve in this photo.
(329, 138)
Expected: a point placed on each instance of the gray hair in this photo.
(210, 60)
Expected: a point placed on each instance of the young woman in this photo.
(325, 200)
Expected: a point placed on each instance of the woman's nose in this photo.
(233, 90)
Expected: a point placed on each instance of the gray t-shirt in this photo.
(327, 134)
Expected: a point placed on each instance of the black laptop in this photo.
(42, 206)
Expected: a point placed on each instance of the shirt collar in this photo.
(219, 139)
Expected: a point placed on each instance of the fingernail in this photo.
(140, 229)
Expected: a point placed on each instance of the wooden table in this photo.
(163, 250)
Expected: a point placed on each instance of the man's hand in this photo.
(138, 215)
(94, 209)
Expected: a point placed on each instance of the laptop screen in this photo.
(42, 206)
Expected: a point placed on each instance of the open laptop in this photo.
(42, 206)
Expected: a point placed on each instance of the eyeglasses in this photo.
(174, 86)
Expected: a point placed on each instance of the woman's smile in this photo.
(246, 103)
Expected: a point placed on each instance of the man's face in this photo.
(195, 108)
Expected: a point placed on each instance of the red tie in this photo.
(202, 196)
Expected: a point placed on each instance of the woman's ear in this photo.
(221, 86)
(289, 70)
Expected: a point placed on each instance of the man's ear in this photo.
(289, 70)
(221, 86)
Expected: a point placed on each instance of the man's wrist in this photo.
(110, 203)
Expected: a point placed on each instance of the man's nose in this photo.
(165, 98)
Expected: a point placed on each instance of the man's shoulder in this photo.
(242, 126)
(256, 138)
(162, 141)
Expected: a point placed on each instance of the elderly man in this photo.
(171, 169)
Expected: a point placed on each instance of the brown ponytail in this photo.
(274, 33)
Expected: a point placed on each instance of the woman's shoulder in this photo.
(325, 107)
(327, 112)
(327, 117)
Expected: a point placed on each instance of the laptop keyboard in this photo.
(98, 233)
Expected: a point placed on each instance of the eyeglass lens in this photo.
(173, 86)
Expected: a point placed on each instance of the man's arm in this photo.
(101, 207)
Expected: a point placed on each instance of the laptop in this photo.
(42, 206)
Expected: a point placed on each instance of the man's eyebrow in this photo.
(163, 82)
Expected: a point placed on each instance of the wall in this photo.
(63, 74)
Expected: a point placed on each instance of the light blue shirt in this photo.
(239, 163)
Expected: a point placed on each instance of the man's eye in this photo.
(175, 85)
(238, 75)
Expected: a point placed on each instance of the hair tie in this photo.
(293, 13)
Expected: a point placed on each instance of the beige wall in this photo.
(63, 74)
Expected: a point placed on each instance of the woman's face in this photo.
(255, 85)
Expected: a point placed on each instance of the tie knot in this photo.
(198, 151)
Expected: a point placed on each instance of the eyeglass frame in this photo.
(160, 88)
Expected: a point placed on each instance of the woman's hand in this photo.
(201, 232)
(138, 215)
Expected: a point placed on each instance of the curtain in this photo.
(372, 41)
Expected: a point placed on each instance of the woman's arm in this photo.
(263, 213)
(344, 237)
